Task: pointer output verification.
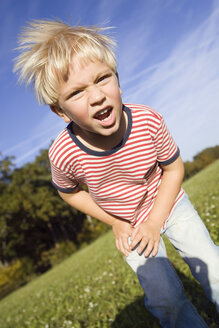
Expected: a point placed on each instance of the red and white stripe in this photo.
(118, 182)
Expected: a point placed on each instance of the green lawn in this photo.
(95, 287)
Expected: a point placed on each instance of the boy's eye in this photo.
(75, 93)
(104, 77)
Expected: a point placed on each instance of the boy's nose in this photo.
(96, 96)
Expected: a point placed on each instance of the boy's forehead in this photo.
(70, 67)
(83, 65)
(78, 63)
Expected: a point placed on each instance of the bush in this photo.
(55, 255)
(200, 161)
(14, 275)
(91, 230)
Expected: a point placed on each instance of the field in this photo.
(95, 287)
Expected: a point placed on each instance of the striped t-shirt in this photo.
(124, 180)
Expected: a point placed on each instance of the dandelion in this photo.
(91, 305)
(87, 290)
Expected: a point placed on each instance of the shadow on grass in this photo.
(135, 314)
(197, 297)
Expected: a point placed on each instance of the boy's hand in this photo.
(148, 234)
(122, 230)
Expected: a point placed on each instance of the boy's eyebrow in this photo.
(68, 93)
(72, 89)
(105, 72)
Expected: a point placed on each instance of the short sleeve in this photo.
(63, 181)
(167, 150)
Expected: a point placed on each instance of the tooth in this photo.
(103, 111)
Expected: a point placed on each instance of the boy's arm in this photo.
(82, 201)
(148, 232)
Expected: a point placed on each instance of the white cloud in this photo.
(41, 136)
(184, 87)
(31, 153)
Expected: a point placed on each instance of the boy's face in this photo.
(91, 98)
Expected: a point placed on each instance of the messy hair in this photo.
(47, 48)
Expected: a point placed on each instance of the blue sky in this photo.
(167, 54)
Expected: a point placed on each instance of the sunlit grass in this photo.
(95, 287)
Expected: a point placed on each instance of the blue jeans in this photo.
(164, 293)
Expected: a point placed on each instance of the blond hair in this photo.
(47, 48)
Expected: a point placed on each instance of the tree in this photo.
(32, 214)
(6, 169)
(201, 160)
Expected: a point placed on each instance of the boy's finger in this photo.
(126, 245)
(134, 233)
(122, 249)
(135, 241)
(142, 245)
(156, 247)
(149, 249)
(117, 244)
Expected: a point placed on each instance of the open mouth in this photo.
(104, 114)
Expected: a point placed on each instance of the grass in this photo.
(95, 288)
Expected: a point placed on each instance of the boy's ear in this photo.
(117, 75)
(57, 110)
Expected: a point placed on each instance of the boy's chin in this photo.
(109, 132)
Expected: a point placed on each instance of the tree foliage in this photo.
(201, 160)
(33, 218)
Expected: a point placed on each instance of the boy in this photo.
(128, 160)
